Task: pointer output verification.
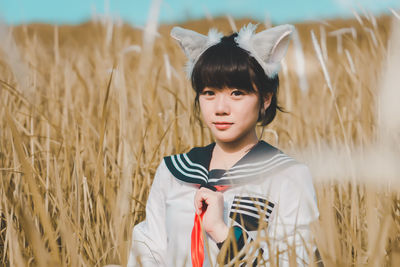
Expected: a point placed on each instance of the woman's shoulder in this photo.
(294, 170)
(298, 172)
(162, 170)
(288, 169)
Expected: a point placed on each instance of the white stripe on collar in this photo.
(185, 173)
(268, 168)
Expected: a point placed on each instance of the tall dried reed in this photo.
(87, 113)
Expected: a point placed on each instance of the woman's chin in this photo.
(233, 137)
(225, 137)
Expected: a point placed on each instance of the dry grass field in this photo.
(87, 112)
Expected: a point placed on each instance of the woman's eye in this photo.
(237, 93)
(208, 93)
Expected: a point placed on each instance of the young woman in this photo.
(238, 200)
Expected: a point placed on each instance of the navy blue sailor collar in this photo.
(193, 167)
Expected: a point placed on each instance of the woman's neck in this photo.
(226, 154)
(237, 146)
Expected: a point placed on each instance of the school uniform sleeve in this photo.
(149, 238)
(289, 231)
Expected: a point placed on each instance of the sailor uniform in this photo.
(269, 195)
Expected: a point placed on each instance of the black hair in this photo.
(226, 65)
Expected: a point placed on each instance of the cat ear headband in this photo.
(268, 47)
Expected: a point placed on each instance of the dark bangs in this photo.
(224, 65)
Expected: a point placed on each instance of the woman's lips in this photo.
(222, 125)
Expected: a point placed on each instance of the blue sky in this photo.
(135, 12)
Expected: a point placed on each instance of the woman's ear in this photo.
(267, 101)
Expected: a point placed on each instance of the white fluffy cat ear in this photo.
(194, 43)
(267, 47)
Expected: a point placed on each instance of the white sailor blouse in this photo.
(270, 196)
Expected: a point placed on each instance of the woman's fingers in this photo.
(197, 202)
(202, 198)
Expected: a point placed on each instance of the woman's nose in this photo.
(222, 105)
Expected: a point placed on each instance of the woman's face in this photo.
(231, 114)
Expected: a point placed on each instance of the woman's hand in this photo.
(212, 204)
